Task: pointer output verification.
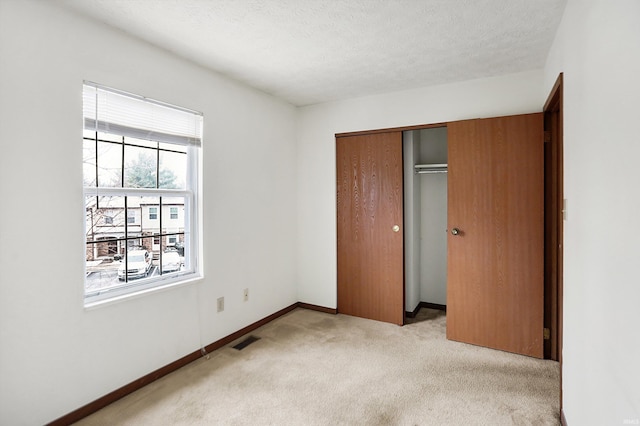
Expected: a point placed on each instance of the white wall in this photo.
(317, 125)
(433, 214)
(425, 219)
(55, 356)
(598, 48)
(412, 220)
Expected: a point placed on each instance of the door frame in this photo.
(554, 222)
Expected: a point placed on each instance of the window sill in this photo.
(169, 285)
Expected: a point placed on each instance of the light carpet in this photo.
(311, 368)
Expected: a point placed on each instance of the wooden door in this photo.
(495, 262)
(369, 226)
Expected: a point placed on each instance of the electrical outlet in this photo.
(246, 294)
(220, 304)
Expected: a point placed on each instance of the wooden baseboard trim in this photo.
(412, 314)
(238, 334)
(563, 419)
(428, 305)
(125, 390)
(317, 308)
(433, 306)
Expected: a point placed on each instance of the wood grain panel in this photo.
(369, 204)
(495, 264)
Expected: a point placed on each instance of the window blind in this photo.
(113, 111)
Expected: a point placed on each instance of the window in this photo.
(140, 157)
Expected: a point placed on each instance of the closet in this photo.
(425, 217)
(468, 235)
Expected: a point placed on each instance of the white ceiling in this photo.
(311, 51)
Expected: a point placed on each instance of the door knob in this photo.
(455, 231)
(395, 228)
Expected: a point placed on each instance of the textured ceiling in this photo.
(311, 51)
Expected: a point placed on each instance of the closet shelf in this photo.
(430, 168)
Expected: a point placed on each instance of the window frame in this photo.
(191, 232)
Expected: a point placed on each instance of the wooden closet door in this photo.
(369, 226)
(495, 262)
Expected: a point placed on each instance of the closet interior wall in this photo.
(425, 209)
